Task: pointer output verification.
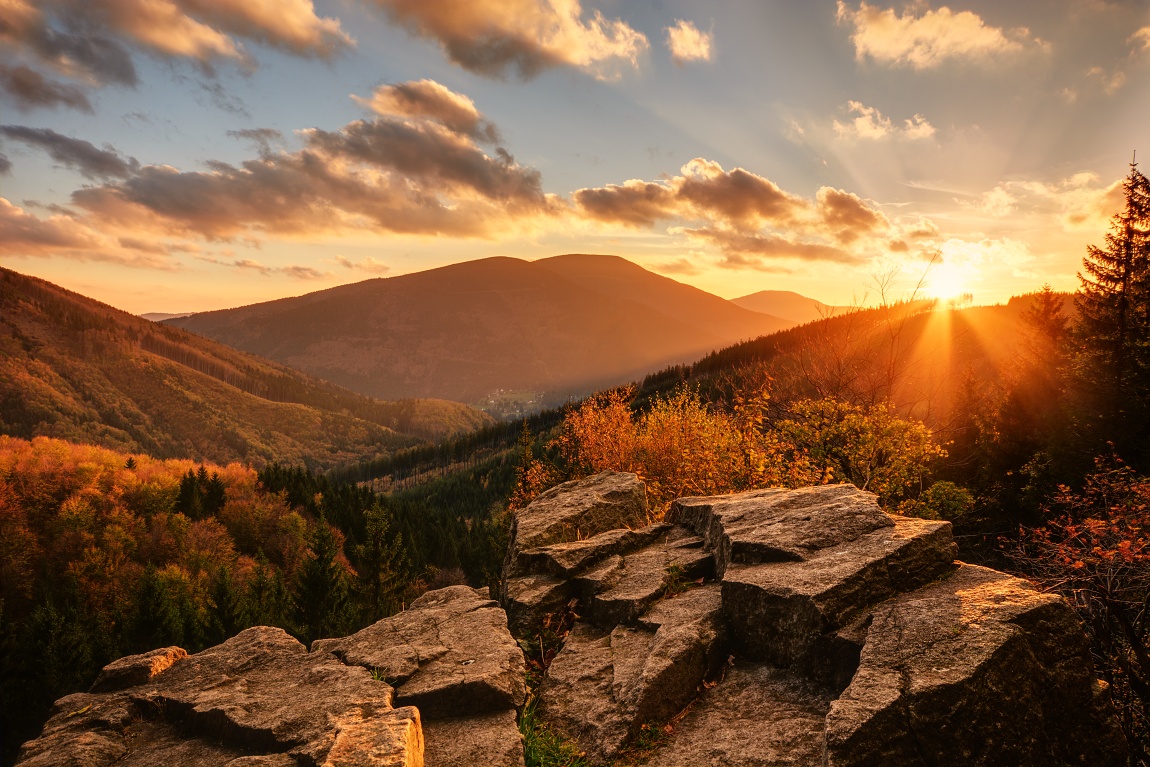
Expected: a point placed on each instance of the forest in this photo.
(1027, 426)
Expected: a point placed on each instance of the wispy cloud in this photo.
(499, 37)
(688, 43)
(77, 154)
(930, 39)
(366, 264)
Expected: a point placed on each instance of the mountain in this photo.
(795, 308)
(77, 369)
(561, 325)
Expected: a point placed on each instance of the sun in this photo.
(947, 281)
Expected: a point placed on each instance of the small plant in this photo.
(676, 581)
(542, 746)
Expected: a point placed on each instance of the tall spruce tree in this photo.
(321, 588)
(1114, 301)
(1114, 321)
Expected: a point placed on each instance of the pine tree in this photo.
(321, 587)
(1114, 300)
(381, 562)
(1114, 328)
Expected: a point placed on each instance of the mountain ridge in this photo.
(75, 368)
(465, 330)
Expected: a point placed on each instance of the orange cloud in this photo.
(926, 41)
(428, 99)
(687, 43)
(91, 44)
(496, 37)
(745, 216)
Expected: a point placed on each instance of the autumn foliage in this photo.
(1095, 550)
(682, 446)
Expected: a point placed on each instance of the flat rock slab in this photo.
(487, 740)
(757, 716)
(580, 509)
(564, 560)
(450, 654)
(978, 669)
(788, 613)
(602, 686)
(259, 695)
(777, 525)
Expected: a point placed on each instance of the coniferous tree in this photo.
(1114, 300)
(381, 562)
(321, 588)
(1114, 327)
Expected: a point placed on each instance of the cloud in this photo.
(91, 44)
(428, 99)
(497, 37)
(30, 89)
(365, 264)
(679, 266)
(82, 156)
(64, 236)
(403, 175)
(926, 41)
(687, 43)
(1141, 38)
(1080, 202)
(295, 271)
(869, 124)
(5, 165)
(746, 217)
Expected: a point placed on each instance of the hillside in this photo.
(793, 307)
(563, 326)
(73, 368)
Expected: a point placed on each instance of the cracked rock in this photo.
(450, 654)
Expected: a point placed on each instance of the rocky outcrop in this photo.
(853, 638)
(425, 687)
(768, 628)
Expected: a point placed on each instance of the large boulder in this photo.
(978, 669)
(449, 654)
(798, 566)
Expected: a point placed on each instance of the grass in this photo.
(543, 747)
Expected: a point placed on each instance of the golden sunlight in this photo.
(948, 280)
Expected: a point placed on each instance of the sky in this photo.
(187, 155)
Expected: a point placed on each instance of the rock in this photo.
(978, 669)
(563, 560)
(623, 587)
(601, 687)
(450, 654)
(579, 509)
(135, 670)
(758, 716)
(791, 613)
(490, 740)
(259, 694)
(778, 525)
(611, 578)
